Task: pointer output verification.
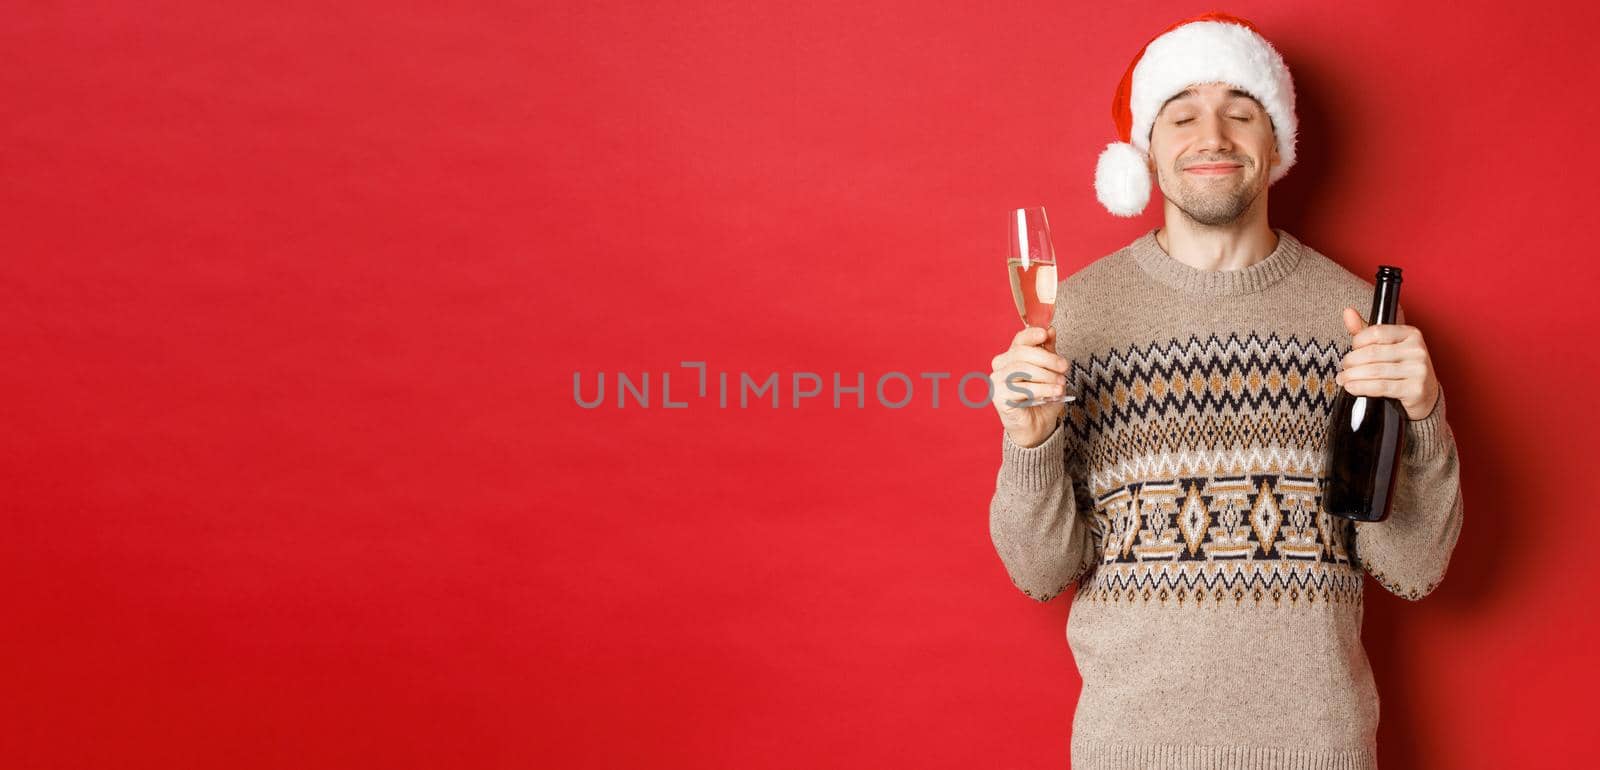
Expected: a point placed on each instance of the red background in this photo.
(295, 293)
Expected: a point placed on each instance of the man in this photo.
(1217, 620)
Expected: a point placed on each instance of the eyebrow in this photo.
(1233, 93)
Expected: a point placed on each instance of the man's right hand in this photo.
(1039, 371)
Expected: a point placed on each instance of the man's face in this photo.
(1213, 148)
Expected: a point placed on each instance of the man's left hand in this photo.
(1389, 360)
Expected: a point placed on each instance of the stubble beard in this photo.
(1211, 204)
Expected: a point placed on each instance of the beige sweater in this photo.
(1217, 618)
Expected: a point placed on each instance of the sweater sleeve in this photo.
(1034, 519)
(1409, 552)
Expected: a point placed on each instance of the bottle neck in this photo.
(1385, 301)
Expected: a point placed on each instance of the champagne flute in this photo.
(1031, 265)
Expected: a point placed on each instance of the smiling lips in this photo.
(1213, 169)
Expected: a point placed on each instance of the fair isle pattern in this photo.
(1203, 468)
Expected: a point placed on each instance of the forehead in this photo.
(1193, 93)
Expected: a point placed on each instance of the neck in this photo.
(1234, 246)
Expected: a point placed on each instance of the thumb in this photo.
(1353, 321)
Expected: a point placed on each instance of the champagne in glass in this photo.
(1031, 265)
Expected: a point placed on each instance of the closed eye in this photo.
(1240, 118)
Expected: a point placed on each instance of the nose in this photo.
(1213, 135)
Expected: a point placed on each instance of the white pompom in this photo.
(1122, 180)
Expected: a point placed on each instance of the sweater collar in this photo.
(1163, 267)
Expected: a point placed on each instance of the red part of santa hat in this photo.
(1211, 47)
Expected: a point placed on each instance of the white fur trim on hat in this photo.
(1207, 52)
(1122, 180)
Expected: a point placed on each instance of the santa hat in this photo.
(1211, 47)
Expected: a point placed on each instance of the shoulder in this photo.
(1093, 303)
(1322, 276)
(1101, 275)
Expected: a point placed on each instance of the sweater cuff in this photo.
(1034, 467)
(1428, 437)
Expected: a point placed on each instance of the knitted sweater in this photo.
(1217, 617)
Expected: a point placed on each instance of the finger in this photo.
(1353, 322)
(1032, 335)
(1035, 392)
(1379, 352)
(1032, 373)
(1035, 356)
(1379, 388)
(1382, 333)
(1375, 372)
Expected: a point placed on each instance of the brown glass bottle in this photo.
(1366, 434)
